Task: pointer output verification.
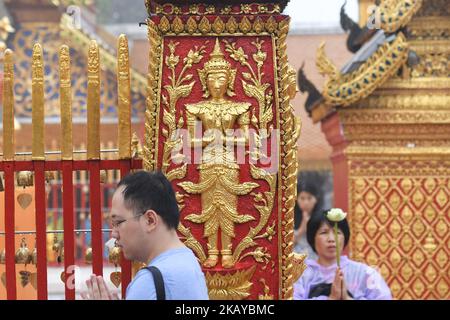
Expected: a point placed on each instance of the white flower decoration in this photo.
(336, 215)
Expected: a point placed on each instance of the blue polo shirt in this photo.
(183, 278)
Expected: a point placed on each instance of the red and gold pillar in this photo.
(223, 68)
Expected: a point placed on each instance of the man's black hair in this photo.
(317, 220)
(145, 190)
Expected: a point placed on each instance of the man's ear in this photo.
(151, 219)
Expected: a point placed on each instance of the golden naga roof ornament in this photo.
(325, 65)
(395, 14)
(346, 89)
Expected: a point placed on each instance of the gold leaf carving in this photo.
(232, 286)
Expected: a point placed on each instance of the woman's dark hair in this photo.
(307, 185)
(317, 220)
(151, 190)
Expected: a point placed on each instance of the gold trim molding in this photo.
(210, 9)
(346, 89)
(377, 167)
(387, 116)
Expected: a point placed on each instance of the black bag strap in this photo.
(159, 283)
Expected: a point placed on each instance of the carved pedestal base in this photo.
(231, 284)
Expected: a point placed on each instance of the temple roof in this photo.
(380, 54)
(58, 30)
(80, 39)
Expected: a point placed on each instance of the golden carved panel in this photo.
(166, 86)
(400, 225)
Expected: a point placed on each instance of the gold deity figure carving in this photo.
(219, 184)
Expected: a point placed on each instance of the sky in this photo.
(319, 15)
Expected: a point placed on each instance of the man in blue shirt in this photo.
(145, 216)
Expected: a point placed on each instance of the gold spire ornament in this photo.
(37, 100)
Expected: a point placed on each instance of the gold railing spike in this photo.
(37, 104)
(65, 90)
(8, 106)
(124, 96)
(93, 103)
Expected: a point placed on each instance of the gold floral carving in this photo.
(289, 164)
(231, 286)
(264, 207)
(255, 89)
(231, 25)
(180, 86)
(218, 26)
(197, 9)
(151, 123)
(298, 265)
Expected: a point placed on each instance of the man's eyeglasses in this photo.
(116, 224)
